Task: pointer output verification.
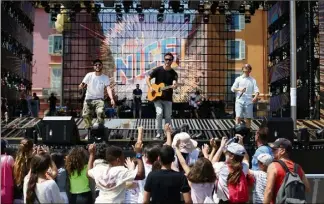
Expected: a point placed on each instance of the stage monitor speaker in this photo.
(60, 130)
(279, 128)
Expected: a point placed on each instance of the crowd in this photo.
(176, 172)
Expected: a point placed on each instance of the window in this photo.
(235, 49)
(237, 24)
(56, 78)
(51, 23)
(55, 44)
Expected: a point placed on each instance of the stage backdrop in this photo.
(131, 49)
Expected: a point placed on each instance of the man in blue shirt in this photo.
(261, 140)
(137, 101)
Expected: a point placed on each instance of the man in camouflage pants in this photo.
(96, 82)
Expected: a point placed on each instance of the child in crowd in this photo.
(61, 178)
(76, 166)
(264, 160)
(37, 187)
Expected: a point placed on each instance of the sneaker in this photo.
(158, 135)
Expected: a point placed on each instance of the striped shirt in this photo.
(260, 185)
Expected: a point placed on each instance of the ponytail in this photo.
(31, 194)
(156, 165)
(236, 167)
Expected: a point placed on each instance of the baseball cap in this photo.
(281, 143)
(187, 145)
(236, 149)
(265, 159)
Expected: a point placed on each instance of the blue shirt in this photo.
(261, 150)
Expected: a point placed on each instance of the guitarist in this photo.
(163, 105)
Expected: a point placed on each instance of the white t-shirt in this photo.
(111, 182)
(222, 171)
(46, 192)
(260, 185)
(251, 88)
(96, 85)
(141, 183)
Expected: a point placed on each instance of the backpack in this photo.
(292, 189)
(239, 193)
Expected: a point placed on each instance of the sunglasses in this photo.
(97, 64)
(168, 59)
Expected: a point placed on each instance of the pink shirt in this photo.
(7, 183)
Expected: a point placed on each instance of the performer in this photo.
(137, 101)
(244, 87)
(195, 100)
(163, 105)
(96, 83)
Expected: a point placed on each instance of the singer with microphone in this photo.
(245, 87)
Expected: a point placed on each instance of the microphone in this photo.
(242, 93)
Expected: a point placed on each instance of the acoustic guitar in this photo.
(157, 91)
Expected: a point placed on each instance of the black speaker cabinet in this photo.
(60, 130)
(279, 128)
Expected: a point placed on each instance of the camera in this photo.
(240, 129)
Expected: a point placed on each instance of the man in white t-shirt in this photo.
(245, 87)
(96, 82)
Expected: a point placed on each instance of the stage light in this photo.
(77, 8)
(47, 9)
(174, 5)
(97, 8)
(118, 8)
(141, 17)
(242, 8)
(187, 18)
(139, 8)
(72, 16)
(53, 16)
(181, 8)
(201, 8)
(221, 8)
(161, 9)
(160, 17)
(206, 18)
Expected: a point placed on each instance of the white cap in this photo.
(265, 159)
(187, 145)
(236, 149)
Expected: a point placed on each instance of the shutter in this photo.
(242, 49)
(241, 22)
(50, 44)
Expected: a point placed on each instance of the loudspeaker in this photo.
(279, 128)
(60, 130)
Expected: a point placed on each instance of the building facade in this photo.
(17, 25)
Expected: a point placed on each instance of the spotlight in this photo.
(118, 8)
(160, 17)
(139, 8)
(187, 18)
(201, 8)
(213, 7)
(242, 8)
(175, 6)
(57, 8)
(247, 19)
(181, 8)
(161, 9)
(141, 17)
(206, 18)
(221, 8)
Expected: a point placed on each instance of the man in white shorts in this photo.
(245, 87)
